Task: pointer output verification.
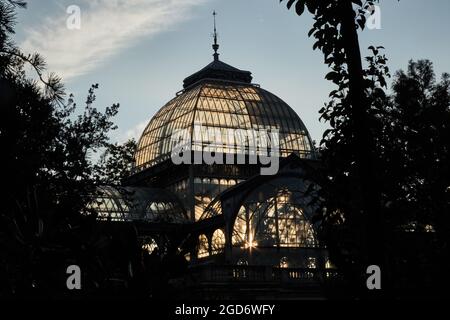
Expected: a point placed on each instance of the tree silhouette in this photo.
(115, 163)
(11, 58)
(335, 30)
(416, 168)
(47, 168)
(384, 184)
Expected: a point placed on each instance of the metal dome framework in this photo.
(221, 105)
(276, 214)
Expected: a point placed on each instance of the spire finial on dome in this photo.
(215, 45)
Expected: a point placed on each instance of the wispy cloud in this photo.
(133, 133)
(107, 27)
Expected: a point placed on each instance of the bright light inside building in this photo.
(250, 244)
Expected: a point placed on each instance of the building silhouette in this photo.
(242, 233)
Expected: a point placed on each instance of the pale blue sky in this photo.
(139, 51)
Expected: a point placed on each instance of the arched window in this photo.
(276, 221)
(242, 262)
(218, 241)
(312, 263)
(284, 262)
(203, 246)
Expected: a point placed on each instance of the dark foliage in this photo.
(385, 160)
(115, 163)
(46, 172)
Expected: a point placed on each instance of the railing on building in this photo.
(227, 273)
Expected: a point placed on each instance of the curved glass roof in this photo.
(223, 105)
(277, 213)
(136, 204)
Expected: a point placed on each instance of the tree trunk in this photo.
(364, 145)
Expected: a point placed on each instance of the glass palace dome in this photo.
(221, 97)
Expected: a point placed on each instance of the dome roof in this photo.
(218, 70)
(136, 204)
(221, 96)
